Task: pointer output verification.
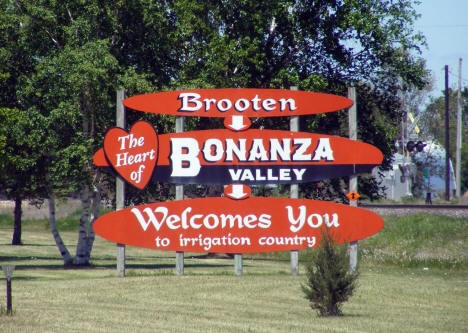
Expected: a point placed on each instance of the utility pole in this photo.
(459, 132)
(447, 136)
(403, 129)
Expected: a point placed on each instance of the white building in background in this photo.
(399, 180)
(434, 156)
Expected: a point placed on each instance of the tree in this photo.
(75, 104)
(72, 89)
(432, 119)
(267, 44)
(21, 137)
(429, 164)
(329, 282)
(20, 162)
(464, 167)
(434, 116)
(316, 45)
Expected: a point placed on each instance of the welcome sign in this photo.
(224, 225)
(226, 157)
(236, 157)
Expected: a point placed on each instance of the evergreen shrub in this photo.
(329, 280)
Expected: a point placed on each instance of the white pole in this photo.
(459, 134)
(238, 264)
(179, 196)
(119, 184)
(352, 123)
(294, 193)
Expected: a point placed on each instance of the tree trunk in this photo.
(94, 215)
(67, 258)
(82, 255)
(17, 223)
(86, 232)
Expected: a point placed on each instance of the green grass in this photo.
(93, 300)
(414, 278)
(69, 222)
(6, 220)
(414, 241)
(419, 241)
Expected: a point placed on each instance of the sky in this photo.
(445, 26)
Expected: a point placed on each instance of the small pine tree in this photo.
(329, 281)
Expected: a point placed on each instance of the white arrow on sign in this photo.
(237, 191)
(237, 123)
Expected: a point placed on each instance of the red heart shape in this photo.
(134, 154)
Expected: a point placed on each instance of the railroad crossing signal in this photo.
(414, 122)
(411, 145)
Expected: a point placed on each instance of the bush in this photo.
(329, 281)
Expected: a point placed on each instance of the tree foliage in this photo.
(329, 281)
(21, 139)
(21, 161)
(266, 44)
(433, 124)
(433, 119)
(65, 60)
(315, 45)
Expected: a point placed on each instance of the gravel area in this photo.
(458, 213)
(68, 207)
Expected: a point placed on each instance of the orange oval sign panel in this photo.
(249, 157)
(245, 102)
(223, 225)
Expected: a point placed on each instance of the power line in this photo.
(443, 26)
(453, 73)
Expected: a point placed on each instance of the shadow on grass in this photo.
(354, 315)
(113, 265)
(14, 258)
(146, 269)
(22, 278)
(27, 244)
(342, 316)
(154, 266)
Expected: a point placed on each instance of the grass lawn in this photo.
(406, 285)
